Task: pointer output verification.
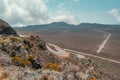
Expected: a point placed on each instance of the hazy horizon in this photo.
(69, 11)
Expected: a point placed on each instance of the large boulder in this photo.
(6, 29)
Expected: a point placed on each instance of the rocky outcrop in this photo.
(6, 29)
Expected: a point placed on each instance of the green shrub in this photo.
(13, 53)
(42, 46)
(32, 37)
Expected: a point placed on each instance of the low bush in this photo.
(32, 37)
(92, 78)
(31, 57)
(21, 61)
(13, 53)
(26, 46)
(42, 46)
(13, 38)
(51, 66)
(2, 41)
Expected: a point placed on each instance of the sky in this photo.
(30, 12)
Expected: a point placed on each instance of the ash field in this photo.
(85, 37)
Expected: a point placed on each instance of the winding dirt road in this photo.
(102, 58)
(65, 52)
(60, 52)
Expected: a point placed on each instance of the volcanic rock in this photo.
(6, 29)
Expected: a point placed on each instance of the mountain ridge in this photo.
(66, 24)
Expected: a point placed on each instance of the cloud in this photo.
(28, 12)
(63, 15)
(66, 17)
(23, 12)
(115, 13)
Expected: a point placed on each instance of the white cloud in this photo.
(70, 19)
(115, 13)
(27, 12)
(66, 17)
(63, 15)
